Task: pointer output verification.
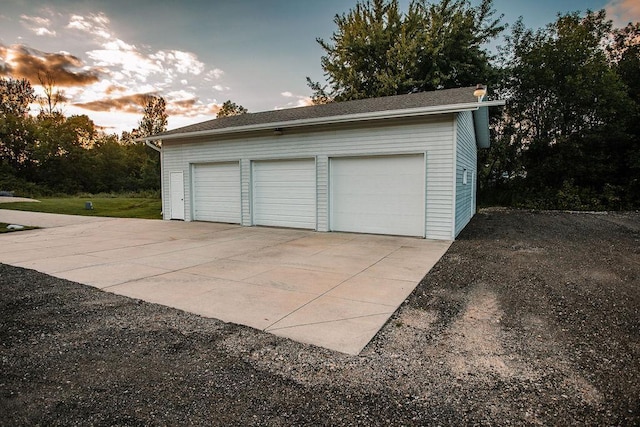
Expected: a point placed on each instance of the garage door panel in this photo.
(217, 192)
(382, 195)
(284, 193)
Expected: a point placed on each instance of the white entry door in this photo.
(176, 189)
(379, 195)
(284, 193)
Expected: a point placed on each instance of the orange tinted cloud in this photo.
(184, 103)
(127, 104)
(191, 107)
(623, 12)
(19, 61)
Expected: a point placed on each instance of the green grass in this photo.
(3, 228)
(119, 207)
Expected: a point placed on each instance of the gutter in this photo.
(386, 114)
(150, 145)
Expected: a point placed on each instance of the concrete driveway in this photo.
(334, 290)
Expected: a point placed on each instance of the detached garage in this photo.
(401, 165)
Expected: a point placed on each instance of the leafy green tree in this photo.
(17, 142)
(15, 97)
(563, 116)
(141, 167)
(16, 128)
(62, 152)
(231, 109)
(379, 51)
(154, 119)
(624, 54)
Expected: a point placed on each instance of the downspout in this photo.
(151, 145)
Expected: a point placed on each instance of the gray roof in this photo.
(335, 109)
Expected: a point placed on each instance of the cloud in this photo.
(623, 11)
(214, 74)
(126, 61)
(114, 88)
(192, 108)
(38, 25)
(110, 77)
(183, 103)
(64, 68)
(179, 103)
(298, 100)
(94, 24)
(183, 62)
(133, 103)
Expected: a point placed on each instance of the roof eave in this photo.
(386, 114)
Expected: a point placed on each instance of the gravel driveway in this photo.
(530, 318)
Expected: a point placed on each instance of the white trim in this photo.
(473, 194)
(348, 118)
(455, 176)
(425, 183)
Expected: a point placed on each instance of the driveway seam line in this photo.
(327, 321)
(321, 295)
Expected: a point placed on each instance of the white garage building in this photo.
(401, 165)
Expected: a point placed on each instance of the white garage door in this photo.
(216, 192)
(380, 195)
(284, 193)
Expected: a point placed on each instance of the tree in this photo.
(231, 109)
(49, 103)
(63, 145)
(564, 115)
(16, 130)
(154, 119)
(15, 97)
(378, 51)
(624, 54)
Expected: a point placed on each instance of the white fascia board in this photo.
(348, 118)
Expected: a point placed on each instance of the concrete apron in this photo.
(334, 290)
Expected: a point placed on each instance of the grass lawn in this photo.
(120, 207)
(3, 228)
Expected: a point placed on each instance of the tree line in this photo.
(569, 136)
(52, 153)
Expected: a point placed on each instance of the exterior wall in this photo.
(322, 194)
(432, 136)
(466, 159)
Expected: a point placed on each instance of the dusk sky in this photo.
(106, 54)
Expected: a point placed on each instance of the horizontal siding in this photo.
(432, 135)
(322, 196)
(466, 160)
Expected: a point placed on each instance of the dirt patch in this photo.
(530, 318)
